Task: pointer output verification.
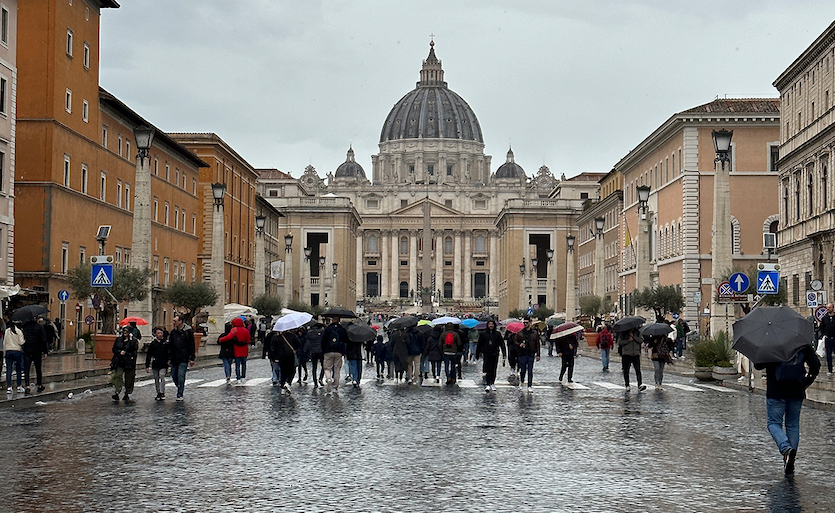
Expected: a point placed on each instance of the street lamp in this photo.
(522, 268)
(322, 280)
(570, 279)
(288, 275)
(260, 286)
(260, 222)
(550, 254)
(218, 190)
(305, 272)
(722, 144)
(334, 268)
(144, 136)
(643, 197)
(569, 241)
(141, 235)
(721, 247)
(599, 283)
(534, 263)
(288, 242)
(599, 222)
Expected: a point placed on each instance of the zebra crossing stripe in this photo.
(215, 383)
(610, 386)
(255, 382)
(718, 389)
(575, 386)
(686, 388)
(143, 383)
(188, 382)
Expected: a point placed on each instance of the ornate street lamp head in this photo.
(334, 268)
(599, 222)
(260, 222)
(218, 190)
(522, 268)
(288, 241)
(569, 241)
(321, 261)
(534, 262)
(144, 136)
(722, 144)
(550, 254)
(307, 251)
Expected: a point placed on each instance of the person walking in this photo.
(156, 359)
(35, 349)
(605, 342)
(380, 357)
(490, 342)
(451, 345)
(283, 350)
(123, 364)
(629, 348)
(472, 344)
(433, 352)
(565, 350)
(240, 338)
(13, 346)
(227, 353)
(827, 330)
(314, 341)
(512, 352)
(786, 385)
(682, 329)
(527, 349)
(334, 345)
(302, 354)
(399, 352)
(353, 354)
(414, 351)
(182, 353)
(661, 348)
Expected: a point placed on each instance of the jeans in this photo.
(178, 376)
(472, 348)
(658, 365)
(333, 369)
(604, 358)
(240, 367)
(28, 360)
(777, 410)
(830, 347)
(679, 346)
(14, 358)
(227, 366)
(355, 369)
(526, 366)
(634, 361)
(450, 361)
(276, 370)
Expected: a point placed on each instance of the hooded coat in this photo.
(239, 336)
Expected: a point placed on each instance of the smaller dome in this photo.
(350, 168)
(510, 169)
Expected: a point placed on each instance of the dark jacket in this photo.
(457, 345)
(181, 345)
(303, 350)
(432, 348)
(227, 347)
(157, 355)
(827, 326)
(629, 343)
(566, 345)
(314, 339)
(283, 346)
(527, 342)
(34, 337)
(130, 346)
(414, 342)
(657, 352)
(776, 389)
(335, 339)
(399, 351)
(489, 343)
(381, 353)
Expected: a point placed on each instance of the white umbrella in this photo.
(233, 310)
(444, 320)
(292, 320)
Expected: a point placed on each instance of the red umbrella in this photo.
(375, 327)
(138, 320)
(566, 328)
(515, 327)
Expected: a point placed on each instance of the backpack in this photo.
(792, 370)
(449, 340)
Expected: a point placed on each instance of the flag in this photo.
(628, 240)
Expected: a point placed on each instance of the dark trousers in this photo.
(28, 360)
(830, 347)
(287, 368)
(436, 369)
(634, 361)
(491, 363)
(567, 364)
(320, 359)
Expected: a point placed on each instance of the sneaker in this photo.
(115, 397)
(628, 388)
(571, 381)
(242, 381)
(530, 390)
(642, 387)
(286, 388)
(228, 381)
(21, 389)
(9, 390)
(157, 397)
(180, 398)
(162, 397)
(493, 388)
(126, 398)
(658, 387)
(788, 460)
(487, 388)
(28, 391)
(41, 389)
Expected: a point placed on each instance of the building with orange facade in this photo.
(677, 162)
(76, 164)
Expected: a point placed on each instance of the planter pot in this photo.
(103, 346)
(591, 337)
(198, 337)
(723, 373)
(703, 373)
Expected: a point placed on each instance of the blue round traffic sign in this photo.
(63, 295)
(739, 282)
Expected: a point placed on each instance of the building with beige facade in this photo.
(806, 229)
(8, 113)
(677, 162)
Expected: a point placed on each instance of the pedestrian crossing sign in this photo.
(768, 282)
(101, 275)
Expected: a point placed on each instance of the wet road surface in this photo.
(390, 447)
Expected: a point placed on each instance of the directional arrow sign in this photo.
(739, 282)
(768, 282)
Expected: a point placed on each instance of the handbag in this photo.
(821, 350)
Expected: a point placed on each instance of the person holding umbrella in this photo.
(490, 341)
(629, 347)
(660, 348)
(35, 349)
(566, 345)
(123, 364)
(527, 346)
(334, 345)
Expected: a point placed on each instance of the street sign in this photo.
(739, 282)
(101, 275)
(89, 320)
(727, 294)
(820, 313)
(529, 312)
(63, 295)
(768, 282)
(811, 299)
(697, 298)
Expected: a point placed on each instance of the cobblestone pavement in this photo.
(394, 447)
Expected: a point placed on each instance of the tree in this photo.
(662, 300)
(590, 305)
(267, 305)
(517, 313)
(191, 296)
(129, 284)
(543, 312)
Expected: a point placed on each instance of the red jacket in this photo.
(240, 336)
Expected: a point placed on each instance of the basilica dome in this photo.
(350, 168)
(431, 110)
(510, 169)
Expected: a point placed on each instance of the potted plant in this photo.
(723, 368)
(704, 358)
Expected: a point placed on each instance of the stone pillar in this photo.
(217, 272)
(413, 261)
(141, 240)
(439, 262)
(395, 264)
(456, 266)
(360, 262)
(468, 261)
(385, 260)
(721, 244)
(570, 285)
(260, 285)
(493, 277)
(599, 274)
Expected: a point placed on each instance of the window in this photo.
(448, 203)
(824, 186)
(4, 26)
(176, 176)
(156, 166)
(774, 151)
(176, 217)
(167, 173)
(449, 170)
(103, 186)
(156, 208)
(184, 180)
(119, 145)
(156, 270)
(84, 178)
(404, 289)
(66, 170)
(404, 203)
(176, 270)
(411, 169)
(82, 254)
(404, 246)
(165, 213)
(68, 101)
(448, 290)
(69, 42)
(2, 170)
(194, 224)
(371, 245)
(448, 246)
(119, 193)
(86, 55)
(165, 270)
(194, 186)
(127, 150)
(479, 244)
(193, 271)
(183, 270)
(183, 219)
(127, 257)
(118, 256)
(65, 257)
(430, 169)
(480, 204)
(104, 136)
(370, 203)
(3, 95)
(127, 195)
(811, 188)
(85, 110)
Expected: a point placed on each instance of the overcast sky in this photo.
(572, 85)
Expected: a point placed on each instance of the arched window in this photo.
(372, 244)
(448, 290)
(404, 289)
(448, 246)
(404, 246)
(479, 244)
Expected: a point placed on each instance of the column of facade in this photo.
(439, 261)
(468, 261)
(456, 266)
(395, 264)
(413, 270)
(384, 259)
(493, 277)
(360, 261)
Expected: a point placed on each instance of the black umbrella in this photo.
(656, 329)
(627, 323)
(425, 329)
(24, 313)
(771, 334)
(485, 317)
(361, 333)
(404, 322)
(338, 312)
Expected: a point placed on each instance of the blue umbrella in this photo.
(470, 323)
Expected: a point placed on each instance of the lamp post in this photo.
(141, 238)
(335, 297)
(549, 253)
(260, 269)
(721, 241)
(570, 280)
(599, 278)
(305, 276)
(322, 280)
(522, 285)
(216, 268)
(644, 223)
(288, 268)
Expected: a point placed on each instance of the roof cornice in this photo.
(804, 59)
